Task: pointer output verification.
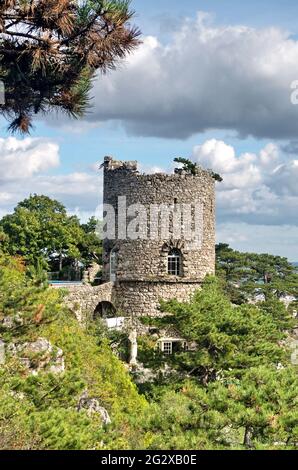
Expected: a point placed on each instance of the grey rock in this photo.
(38, 356)
(92, 406)
(12, 321)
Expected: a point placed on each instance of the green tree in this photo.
(91, 245)
(192, 168)
(50, 51)
(261, 404)
(24, 303)
(187, 165)
(40, 230)
(251, 274)
(226, 336)
(256, 409)
(3, 241)
(39, 411)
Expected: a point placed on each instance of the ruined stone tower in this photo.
(151, 266)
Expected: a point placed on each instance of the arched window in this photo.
(113, 265)
(175, 263)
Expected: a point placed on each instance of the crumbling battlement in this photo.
(142, 277)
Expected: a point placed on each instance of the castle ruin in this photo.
(140, 271)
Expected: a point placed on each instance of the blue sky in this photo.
(216, 88)
(254, 13)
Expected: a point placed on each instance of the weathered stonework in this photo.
(143, 298)
(92, 272)
(38, 356)
(83, 300)
(141, 277)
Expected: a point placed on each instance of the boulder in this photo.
(38, 356)
(92, 406)
(10, 322)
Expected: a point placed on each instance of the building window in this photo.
(113, 265)
(167, 348)
(174, 263)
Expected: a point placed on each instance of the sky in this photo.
(211, 81)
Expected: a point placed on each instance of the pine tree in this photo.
(50, 51)
(228, 337)
(193, 168)
(247, 275)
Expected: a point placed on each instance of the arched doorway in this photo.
(104, 310)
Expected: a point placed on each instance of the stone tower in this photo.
(154, 265)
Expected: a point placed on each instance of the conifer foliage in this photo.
(50, 51)
(40, 410)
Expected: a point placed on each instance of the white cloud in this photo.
(21, 159)
(148, 169)
(221, 157)
(25, 169)
(206, 77)
(257, 188)
(256, 203)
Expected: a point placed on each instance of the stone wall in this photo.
(142, 278)
(130, 298)
(140, 299)
(146, 259)
(83, 300)
(92, 271)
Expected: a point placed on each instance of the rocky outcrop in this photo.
(143, 375)
(12, 321)
(92, 406)
(39, 356)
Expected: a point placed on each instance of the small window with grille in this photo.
(167, 348)
(174, 263)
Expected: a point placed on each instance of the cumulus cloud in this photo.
(258, 198)
(256, 203)
(25, 169)
(24, 158)
(257, 188)
(291, 147)
(206, 77)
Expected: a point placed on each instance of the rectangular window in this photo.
(167, 348)
(174, 265)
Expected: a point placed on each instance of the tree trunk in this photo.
(60, 262)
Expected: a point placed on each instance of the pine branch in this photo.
(46, 48)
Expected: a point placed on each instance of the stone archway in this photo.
(104, 309)
(84, 300)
